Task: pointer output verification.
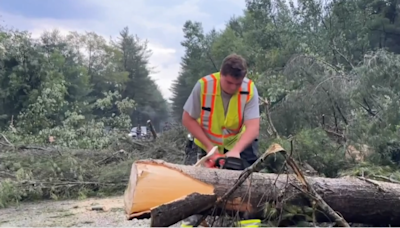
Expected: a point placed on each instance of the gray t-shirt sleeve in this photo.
(193, 103)
(252, 110)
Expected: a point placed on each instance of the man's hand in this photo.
(251, 133)
(233, 153)
(210, 163)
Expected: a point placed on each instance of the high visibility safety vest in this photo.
(223, 131)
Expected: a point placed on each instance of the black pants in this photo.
(249, 154)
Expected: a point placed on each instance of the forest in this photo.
(326, 72)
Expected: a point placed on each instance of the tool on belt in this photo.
(213, 159)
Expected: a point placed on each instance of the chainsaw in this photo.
(215, 160)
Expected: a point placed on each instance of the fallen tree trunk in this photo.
(154, 183)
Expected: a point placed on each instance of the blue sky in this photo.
(158, 21)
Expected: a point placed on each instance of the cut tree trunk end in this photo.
(154, 183)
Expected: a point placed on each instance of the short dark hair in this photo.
(234, 65)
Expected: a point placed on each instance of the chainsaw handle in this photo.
(218, 160)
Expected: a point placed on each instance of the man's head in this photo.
(233, 70)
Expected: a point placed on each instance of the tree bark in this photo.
(154, 183)
(170, 213)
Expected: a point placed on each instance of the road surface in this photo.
(88, 212)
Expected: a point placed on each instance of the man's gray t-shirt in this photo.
(193, 103)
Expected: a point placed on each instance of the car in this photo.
(143, 132)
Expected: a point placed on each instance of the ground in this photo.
(88, 212)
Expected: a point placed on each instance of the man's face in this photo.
(230, 85)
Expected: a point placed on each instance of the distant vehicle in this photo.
(143, 132)
(190, 155)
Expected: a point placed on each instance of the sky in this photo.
(158, 21)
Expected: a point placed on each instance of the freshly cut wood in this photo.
(154, 183)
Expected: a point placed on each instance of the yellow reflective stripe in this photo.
(248, 221)
(186, 224)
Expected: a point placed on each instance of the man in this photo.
(223, 111)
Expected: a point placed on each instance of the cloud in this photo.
(160, 22)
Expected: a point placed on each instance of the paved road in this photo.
(69, 213)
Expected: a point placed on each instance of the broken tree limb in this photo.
(313, 196)
(171, 213)
(152, 130)
(154, 182)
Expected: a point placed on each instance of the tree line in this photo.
(78, 77)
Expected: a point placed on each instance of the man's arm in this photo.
(252, 123)
(191, 112)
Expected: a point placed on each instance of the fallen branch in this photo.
(48, 184)
(268, 114)
(152, 130)
(315, 198)
(389, 179)
(5, 139)
(24, 147)
(107, 159)
(173, 212)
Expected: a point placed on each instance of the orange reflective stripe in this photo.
(248, 89)
(242, 105)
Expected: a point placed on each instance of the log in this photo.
(154, 183)
(168, 214)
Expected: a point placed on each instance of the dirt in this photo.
(88, 212)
